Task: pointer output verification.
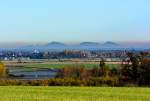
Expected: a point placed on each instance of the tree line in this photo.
(133, 71)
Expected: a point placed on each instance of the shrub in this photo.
(2, 70)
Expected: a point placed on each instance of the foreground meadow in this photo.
(27, 93)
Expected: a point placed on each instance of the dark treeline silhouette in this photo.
(137, 70)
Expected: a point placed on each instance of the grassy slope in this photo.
(16, 93)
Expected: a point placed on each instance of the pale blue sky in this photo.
(74, 20)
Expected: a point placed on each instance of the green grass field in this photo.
(27, 93)
(37, 66)
(87, 65)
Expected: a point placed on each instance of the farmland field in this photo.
(56, 65)
(87, 65)
(27, 93)
(14, 67)
(45, 64)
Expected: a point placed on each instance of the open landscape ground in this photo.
(55, 65)
(22, 93)
(58, 65)
(16, 69)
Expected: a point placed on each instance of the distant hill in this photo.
(58, 46)
(109, 43)
(89, 44)
(82, 46)
(54, 43)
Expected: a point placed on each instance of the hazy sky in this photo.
(74, 20)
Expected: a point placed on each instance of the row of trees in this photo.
(135, 71)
